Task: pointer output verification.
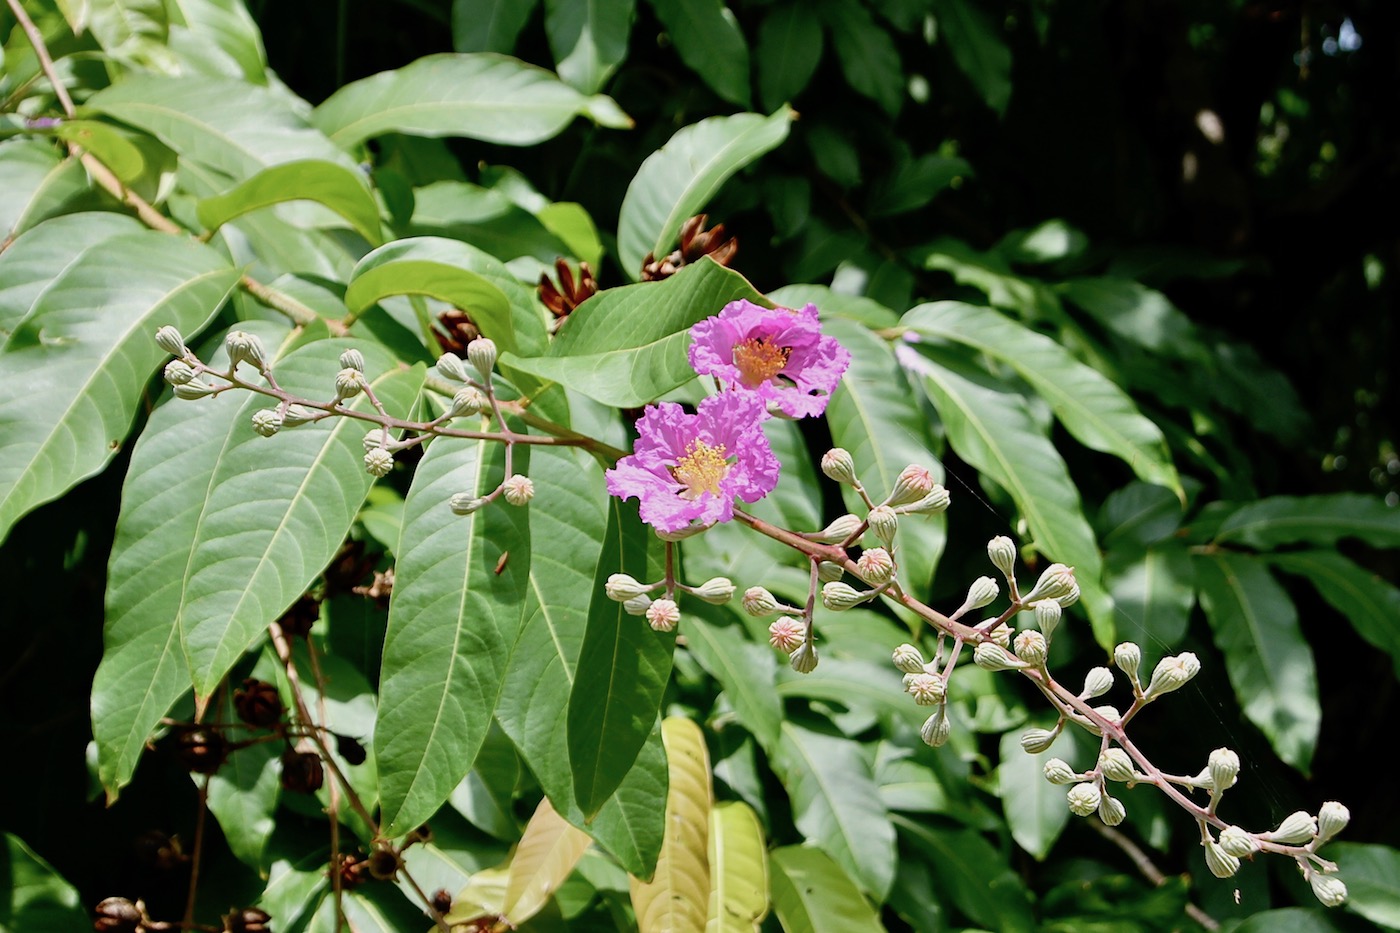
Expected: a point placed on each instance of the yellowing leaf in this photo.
(738, 870)
(676, 900)
(547, 853)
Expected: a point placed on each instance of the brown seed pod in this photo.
(248, 920)
(442, 900)
(119, 915)
(384, 863)
(201, 750)
(696, 243)
(258, 703)
(302, 772)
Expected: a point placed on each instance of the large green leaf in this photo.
(677, 897)
(867, 54)
(168, 485)
(1035, 809)
(35, 182)
(486, 218)
(588, 39)
(456, 612)
(812, 894)
(1269, 661)
(992, 429)
(623, 668)
(1098, 413)
(709, 40)
(1153, 592)
(1372, 876)
(973, 875)
(77, 364)
(341, 189)
(738, 870)
(627, 346)
(243, 795)
(681, 177)
(124, 28)
(836, 804)
(1318, 520)
(1368, 602)
(35, 898)
(218, 34)
(978, 50)
(789, 48)
(857, 685)
(745, 670)
(477, 95)
(489, 25)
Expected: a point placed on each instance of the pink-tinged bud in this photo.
(839, 530)
(804, 659)
(913, 483)
(932, 504)
(838, 465)
(518, 490)
(663, 614)
(875, 566)
(1057, 581)
(758, 602)
(786, 634)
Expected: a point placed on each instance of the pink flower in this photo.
(688, 468)
(777, 353)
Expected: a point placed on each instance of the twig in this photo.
(1149, 871)
(198, 851)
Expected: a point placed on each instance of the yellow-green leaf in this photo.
(738, 870)
(547, 853)
(676, 900)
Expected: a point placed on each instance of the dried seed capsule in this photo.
(117, 914)
(258, 703)
(248, 920)
(302, 772)
(350, 749)
(203, 751)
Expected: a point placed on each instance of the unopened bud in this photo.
(839, 530)
(1221, 863)
(298, 415)
(637, 605)
(662, 614)
(1224, 766)
(758, 602)
(786, 634)
(1111, 810)
(913, 483)
(352, 359)
(1297, 828)
(1031, 647)
(909, 659)
(1097, 682)
(1238, 842)
(804, 659)
(1070, 598)
(1330, 890)
(829, 572)
(621, 587)
(1108, 712)
(991, 657)
(1115, 765)
(981, 593)
(193, 389)
(468, 400)
(926, 689)
(1058, 771)
(518, 489)
(1056, 581)
(884, 523)
(243, 347)
(838, 465)
(1035, 741)
(716, 591)
(1128, 657)
(1331, 819)
(932, 504)
(450, 365)
(936, 728)
(1172, 674)
(1001, 636)
(169, 340)
(1083, 798)
(375, 438)
(838, 597)
(267, 422)
(178, 372)
(1047, 616)
(1002, 551)
(875, 565)
(379, 462)
(349, 383)
(481, 353)
(465, 503)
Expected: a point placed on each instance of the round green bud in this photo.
(884, 523)
(193, 389)
(267, 422)
(926, 689)
(1031, 648)
(716, 591)
(1056, 581)
(1047, 616)
(829, 572)
(637, 605)
(1058, 771)
(1097, 682)
(1172, 674)
(937, 728)
(1115, 765)
(518, 489)
(1111, 810)
(243, 347)
(1297, 828)
(839, 530)
(1224, 766)
(838, 466)
(379, 462)
(1128, 657)
(1035, 741)
(178, 373)
(1330, 890)
(934, 503)
(450, 366)
(913, 483)
(468, 400)
(1221, 863)
(804, 659)
(1083, 798)
(349, 383)
(465, 503)
(1002, 552)
(759, 602)
(169, 340)
(352, 359)
(1331, 819)
(481, 353)
(909, 659)
(1238, 842)
(622, 587)
(299, 415)
(981, 593)
(992, 657)
(838, 597)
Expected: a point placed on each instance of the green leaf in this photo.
(1288, 920)
(341, 189)
(1368, 602)
(1035, 809)
(627, 346)
(109, 144)
(968, 872)
(1098, 413)
(477, 95)
(836, 804)
(36, 898)
(1138, 515)
(738, 870)
(677, 898)
(623, 668)
(708, 39)
(855, 684)
(168, 485)
(915, 183)
(243, 796)
(588, 39)
(1269, 661)
(812, 894)
(1138, 314)
(789, 48)
(1154, 591)
(744, 669)
(490, 26)
(484, 217)
(35, 183)
(124, 28)
(1318, 520)
(977, 49)
(206, 31)
(680, 178)
(1372, 876)
(77, 365)
(868, 56)
(992, 429)
(455, 614)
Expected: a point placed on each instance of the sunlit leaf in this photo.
(1318, 520)
(548, 852)
(588, 39)
(1367, 601)
(709, 40)
(812, 894)
(339, 188)
(973, 875)
(677, 897)
(35, 898)
(738, 870)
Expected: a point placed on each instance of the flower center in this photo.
(701, 469)
(758, 359)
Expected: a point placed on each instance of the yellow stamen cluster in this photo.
(758, 359)
(701, 469)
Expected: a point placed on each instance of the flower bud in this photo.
(838, 466)
(1115, 765)
(378, 462)
(1297, 828)
(875, 565)
(621, 587)
(758, 602)
(1224, 767)
(1083, 798)
(926, 689)
(1031, 647)
(932, 504)
(1128, 657)
(913, 483)
(1058, 771)
(804, 659)
(243, 347)
(982, 592)
(352, 359)
(936, 728)
(838, 596)
(1002, 551)
(375, 438)
(169, 340)
(991, 657)
(884, 523)
(637, 605)
(267, 422)
(909, 659)
(839, 530)
(1329, 889)
(518, 489)
(786, 634)
(1097, 682)
(468, 400)
(1070, 598)
(829, 572)
(1111, 810)
(349, 383)
(1057, 580)
(1331, 819)
(1047, 616)
(662, 614)
(1001, 636)
(1237, 842)
(450, 366)
(1221, 863)
(298, 415)
(178, 372)
(481, 353)
(716, 591)
(464, 503)
(193, 389)
(1108, 712)
(1035, 741)
(1172, 674)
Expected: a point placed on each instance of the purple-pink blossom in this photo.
(777, 353)
(690, 468)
